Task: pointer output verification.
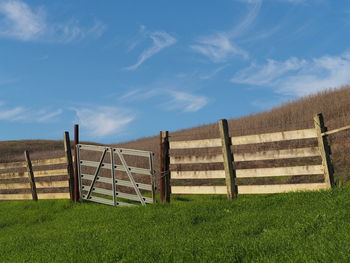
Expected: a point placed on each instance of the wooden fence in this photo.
(230, 173)
(18, 182)
(39, 179)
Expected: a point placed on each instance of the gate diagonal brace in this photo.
(127, 169)
(96, 173)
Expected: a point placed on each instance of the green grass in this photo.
(295, 227)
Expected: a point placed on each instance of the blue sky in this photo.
(128, 69)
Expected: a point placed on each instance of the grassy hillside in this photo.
(294, 227)
(334, 104)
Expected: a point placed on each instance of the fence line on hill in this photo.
(31, 179)
(229, 158)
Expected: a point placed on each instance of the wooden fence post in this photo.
(324, 150)
(164, 179)
(31, 176)
(230, 172)
(70, 169)
(76, 183)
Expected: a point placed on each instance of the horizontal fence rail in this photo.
(196, 159)
(20, 175)
(248, 173)
(278, 154)
(280, 171)
(274, 137)
(55, 184)
(207, 143)
(228, 157)
(29, 196)
(36, 163)
(211, 174)
(249, 189)
(243, 157)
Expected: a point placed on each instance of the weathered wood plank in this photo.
(46, 173)
(13, 175)
(29, 196)
(196, 159)
(16, 197)
(278, 154)
(51, 173)
(199, 189)
(206, 143)
(336, 130)
(35, 163)
(279, 188)
(14, 186)
(164, 167)
(274, 137)
(324, 150)
(53, 161)
(280, 171)
(31, 176)
(249, 189)
(256, 156)
(14, 165)
(53, 184)
(69, 162)
(211, 174)
(230, 172)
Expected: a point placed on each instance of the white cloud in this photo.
(45, 116)
(160, 40)
(73, 31)
(103, 121)
(268, 73)
(298, 77)
(22, 114)
(186, 101)
(174, 100)
(12, 114)
(220, 47)
(19, 21)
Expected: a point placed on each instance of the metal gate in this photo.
(105, 176)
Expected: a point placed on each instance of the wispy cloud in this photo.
(185, 101)
(173, 99)
(160, 40)
(298, 77)
(22, 114)
(220, 46)
(103, 121)
(21, 22)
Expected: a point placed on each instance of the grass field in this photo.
(294, 227)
